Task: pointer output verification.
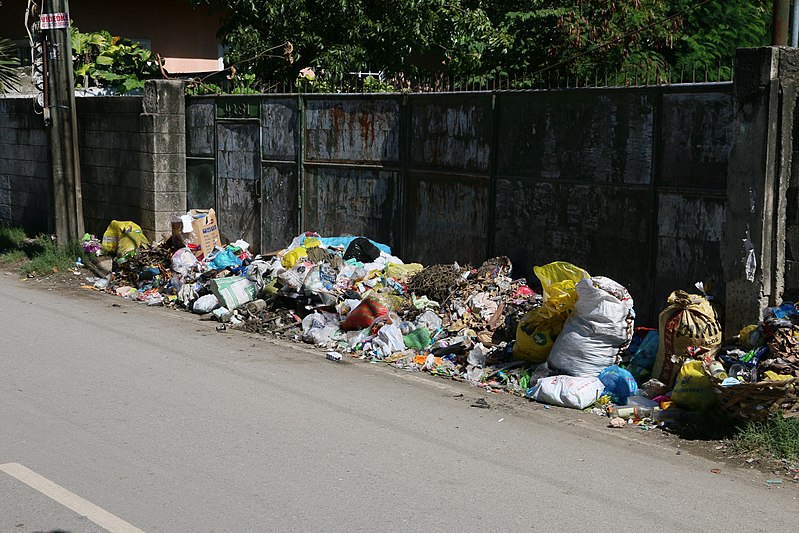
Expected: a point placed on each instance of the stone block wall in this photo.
(24, 166)
(132, 160)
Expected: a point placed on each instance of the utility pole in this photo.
(65, 190)
(779, 22)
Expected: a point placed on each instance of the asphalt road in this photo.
(147, 418)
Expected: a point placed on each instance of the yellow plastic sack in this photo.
(535, 335)
(693, 389)
(537, 331)
(559, 283)
(402, 272)
(745, 333)
(122, 238)
(294, 256)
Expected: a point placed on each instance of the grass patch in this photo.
(43, 255)
(46, 257)
(778, 438)
(11, 239)
(12, 256)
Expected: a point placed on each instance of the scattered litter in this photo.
(480, 403)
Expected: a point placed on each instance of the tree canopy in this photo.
(481, 40)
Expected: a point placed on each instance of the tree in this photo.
(480, 40)
(9, 75)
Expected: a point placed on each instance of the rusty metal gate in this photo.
(626, 182)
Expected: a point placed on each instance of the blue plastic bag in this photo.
(619, 382)
(644, 359)
(225, 259)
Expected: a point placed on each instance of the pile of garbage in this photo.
(574, 345)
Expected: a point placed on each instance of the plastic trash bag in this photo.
(225, 259)
(294, 256)
(559, 283)
(693, 389)
(418, 339)
(644, 358)
(364, 315)
(122, 238)
(620, 383)
(388, 341)
(205, 304)
(429, 320)
(183, 261)
(234, 291)
(567, 391)
(319, 328)
(402, 272)
(362, 249)
(477, 355)
(537, 330)
(597, 332)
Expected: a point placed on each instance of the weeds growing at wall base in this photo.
(38, 256)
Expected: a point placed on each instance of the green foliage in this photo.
(41, 255)
(103, 60)
(482, 40)
(778, 438)
(713, 31)
(46, 257)
(375, 85)
(9, 75)
(11, 238)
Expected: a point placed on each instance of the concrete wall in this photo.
(762, 221)
(132, 155)
(24, 166)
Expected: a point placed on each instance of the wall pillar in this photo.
(759, 171)
(163, 156)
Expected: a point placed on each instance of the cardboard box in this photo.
(205, 229)
(197, 229)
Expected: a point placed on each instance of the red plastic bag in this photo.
(364, 315)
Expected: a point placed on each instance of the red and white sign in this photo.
(54, 21)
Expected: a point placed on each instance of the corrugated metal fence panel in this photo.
(353, 201)
(448, 181)
(587, 135)
(279, 199)
(200, 140)
(361, 129)
(451, 131)
(351, 166)
(696, 136)
(689, 245)
(280, 134)
(574, 182)
(627, 183)
(280, 126)
(239, 166)
(603, 229)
